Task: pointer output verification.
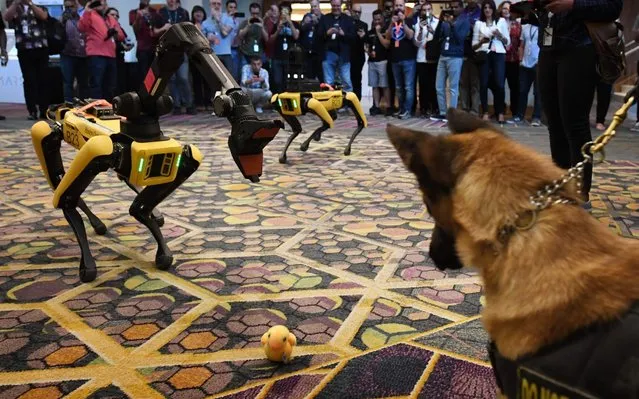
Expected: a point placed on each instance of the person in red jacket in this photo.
(101, 31)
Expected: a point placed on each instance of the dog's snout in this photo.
(442, 250)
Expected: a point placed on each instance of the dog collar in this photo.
(525, 220)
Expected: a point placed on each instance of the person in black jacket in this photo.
(567, 76)
(358, 57)
(336, 34)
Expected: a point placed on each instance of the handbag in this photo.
(607, 37)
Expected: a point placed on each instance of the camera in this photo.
(254, 20)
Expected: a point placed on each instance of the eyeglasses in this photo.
(355, 12)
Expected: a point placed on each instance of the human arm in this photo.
(382, 37)
(11, 11)
(161, 25)
(522, 43)
(295, 29)
(40, 13)
(86, 21)
(264, 74)
(503, 32)
(410, 33)
(246, 78)
(3, 42)
(243, 29)
(635, 30)
(226, 25)
(460, 29)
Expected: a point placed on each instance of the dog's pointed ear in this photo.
(407, 142)
(463, 122)
(430, 158)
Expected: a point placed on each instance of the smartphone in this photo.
(96, 3)
(240, 14)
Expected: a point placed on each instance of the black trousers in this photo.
(34, 66)
(427, 74)
(356, 77)
(604, 95)
(512, 77)
(567, 82)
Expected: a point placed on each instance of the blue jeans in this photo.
(404, 74)
(102, 79)
(495, 67)
(279, 68)
(180, 87)
(236, 55)
(332, 64)
(74, 68)
(448, 68)
(527, 78)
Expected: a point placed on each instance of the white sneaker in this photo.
(635, 128)
(535, 123)
(259, 110)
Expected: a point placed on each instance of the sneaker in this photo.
(191, 111)
(600, 126)
(404, 115)
(438, 118)
(535, 123)
(259, 110)
(374, 111)
(587, 205)
(33, 116)
(635, 128)
(515, 120)
(177, 111)
(396, 114)
(389, 112)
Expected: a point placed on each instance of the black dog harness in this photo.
(601, 361)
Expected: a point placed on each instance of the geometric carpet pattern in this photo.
(333, 247)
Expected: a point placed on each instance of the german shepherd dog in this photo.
(560, 287)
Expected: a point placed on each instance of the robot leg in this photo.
(142, 207)
(297, 129)
(156, 214)
(47, 143)
(96, 156)
(356, 107)
(315, 107)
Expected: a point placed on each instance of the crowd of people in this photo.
(419, 63)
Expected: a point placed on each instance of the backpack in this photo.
(56, 35)
(607, 37)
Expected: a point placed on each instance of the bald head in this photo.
(356, 11)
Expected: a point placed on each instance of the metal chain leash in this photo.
(593, 152)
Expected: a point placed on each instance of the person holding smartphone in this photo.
(101, 32)
(141, 20)
(358, 56)
(252, 35)
(29, 23)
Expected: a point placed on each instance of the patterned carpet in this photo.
(333, 247)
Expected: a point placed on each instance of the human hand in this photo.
(560, 5)
(4, 58)
(361, 33)
(378, 28)
(395, 19)
(340, 31)
(331, 31)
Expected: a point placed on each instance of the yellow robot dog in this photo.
(304, 95)
(126, 137)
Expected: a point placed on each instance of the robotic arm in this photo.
(249, 135)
